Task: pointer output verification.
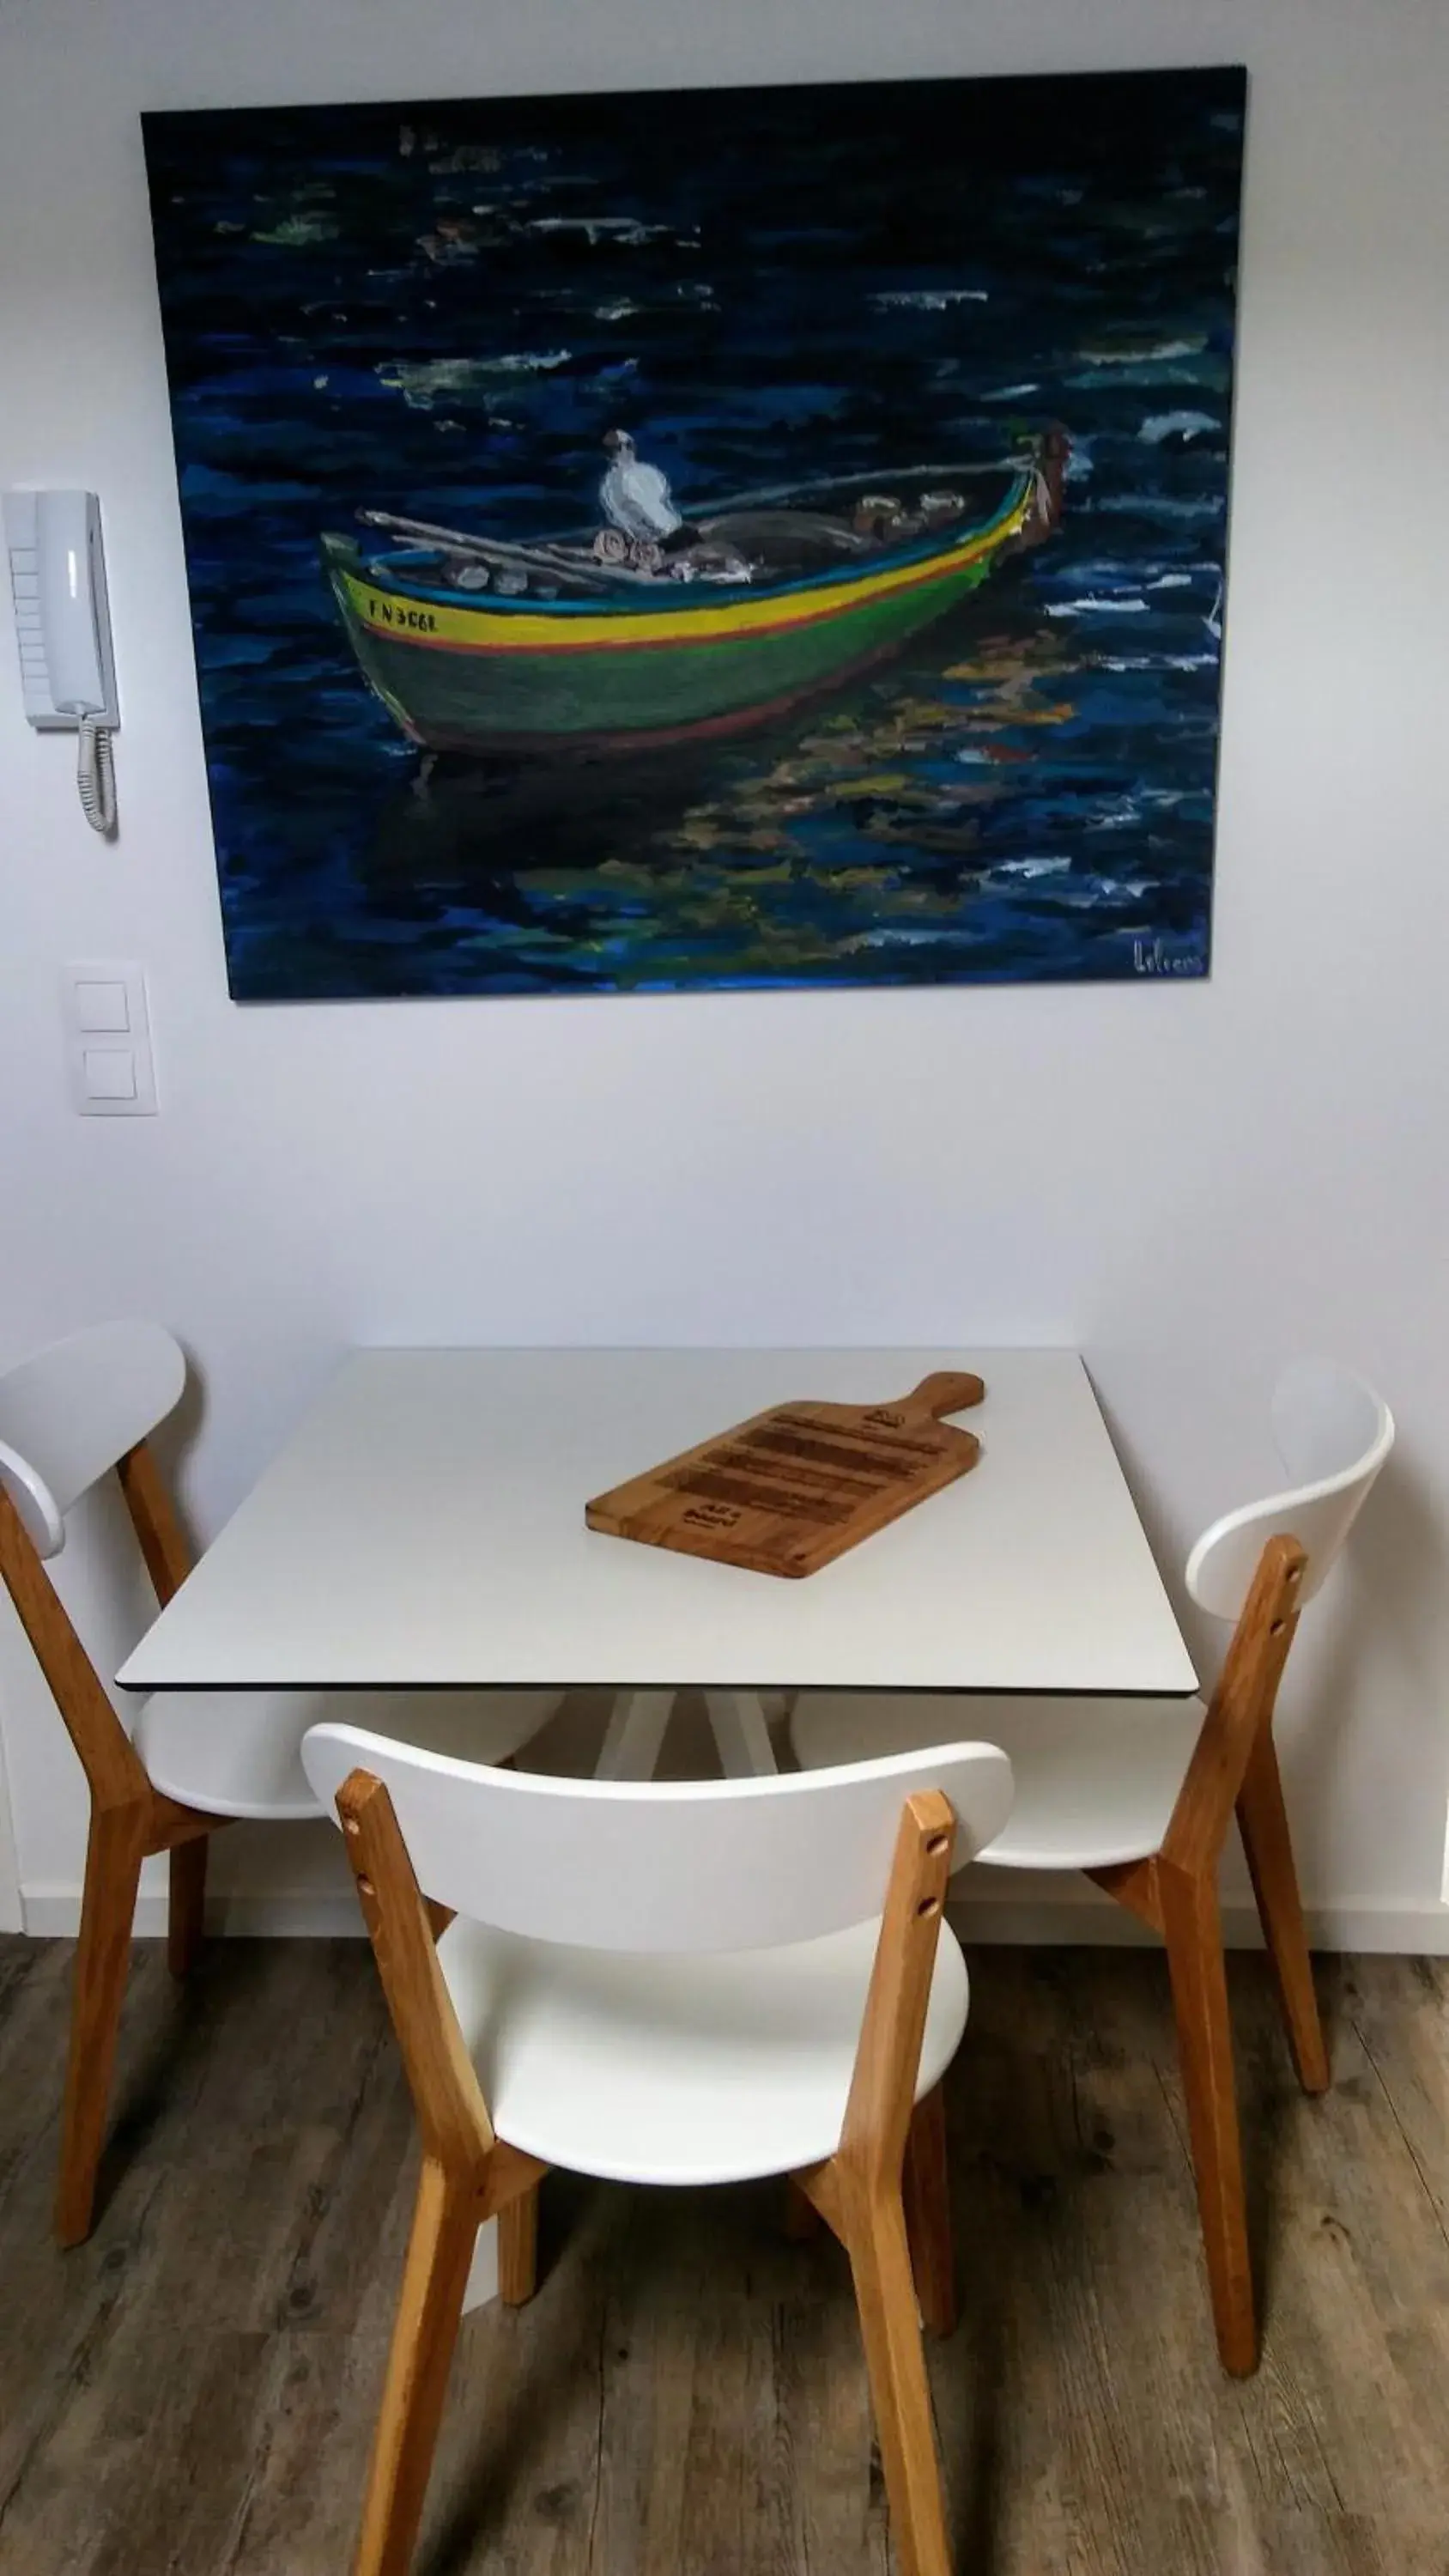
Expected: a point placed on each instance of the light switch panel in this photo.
(108, 1039)
(102, 1006)
(110, 1073)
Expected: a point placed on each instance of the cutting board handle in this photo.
(945, 1391)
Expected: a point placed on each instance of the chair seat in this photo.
(657, 2069)
(1096, 1779)
(238, 1753)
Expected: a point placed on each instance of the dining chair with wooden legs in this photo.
(1141, 1794)
(196, 1760)
(675, 1983)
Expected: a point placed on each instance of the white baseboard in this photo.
(1085, 1922)
(53, 1914)
(483, 2270)
(1029, 1922)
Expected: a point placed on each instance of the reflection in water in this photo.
(840, 842)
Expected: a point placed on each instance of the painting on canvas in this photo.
(742, 537)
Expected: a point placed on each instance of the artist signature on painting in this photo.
(1159, 957)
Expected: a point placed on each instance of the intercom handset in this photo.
(58, 577)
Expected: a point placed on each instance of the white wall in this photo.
(1190, 1183)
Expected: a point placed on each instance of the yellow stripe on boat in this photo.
(482, 630)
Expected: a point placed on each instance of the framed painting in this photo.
(719, 538)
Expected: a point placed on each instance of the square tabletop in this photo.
(424, 1525)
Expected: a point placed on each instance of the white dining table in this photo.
(424, 1525)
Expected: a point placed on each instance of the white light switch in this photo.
(110, 1073)
(101, 1006)
(108, 1032)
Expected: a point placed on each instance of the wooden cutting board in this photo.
(791, 1489)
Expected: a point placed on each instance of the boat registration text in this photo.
(391, 612)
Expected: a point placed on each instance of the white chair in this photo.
(674, 1983)
(196, 1759)
(1140, 1793)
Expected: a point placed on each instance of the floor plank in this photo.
(193, 2390)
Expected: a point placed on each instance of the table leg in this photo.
(741, 1733)
(634, 1734)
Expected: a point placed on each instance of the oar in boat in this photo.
(495, 550)
(878, 478)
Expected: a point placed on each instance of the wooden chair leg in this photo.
(1193, 1930)
(440, 2250)
(186, 1909)
(1263, 1823)
(518, 2249)
(114, 1854)
(927, 2193)
(885, 2293)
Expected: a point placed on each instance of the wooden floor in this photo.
(193, 2390)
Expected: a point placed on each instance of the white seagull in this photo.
(635, 497)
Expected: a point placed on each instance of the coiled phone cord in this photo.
(96, 776)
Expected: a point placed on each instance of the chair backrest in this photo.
(71, 1410)
(1333, 1434)
(686, 1865)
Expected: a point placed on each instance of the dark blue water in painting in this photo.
(440, 310)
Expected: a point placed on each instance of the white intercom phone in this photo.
(58, 576)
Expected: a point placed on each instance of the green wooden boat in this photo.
(482, 647)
